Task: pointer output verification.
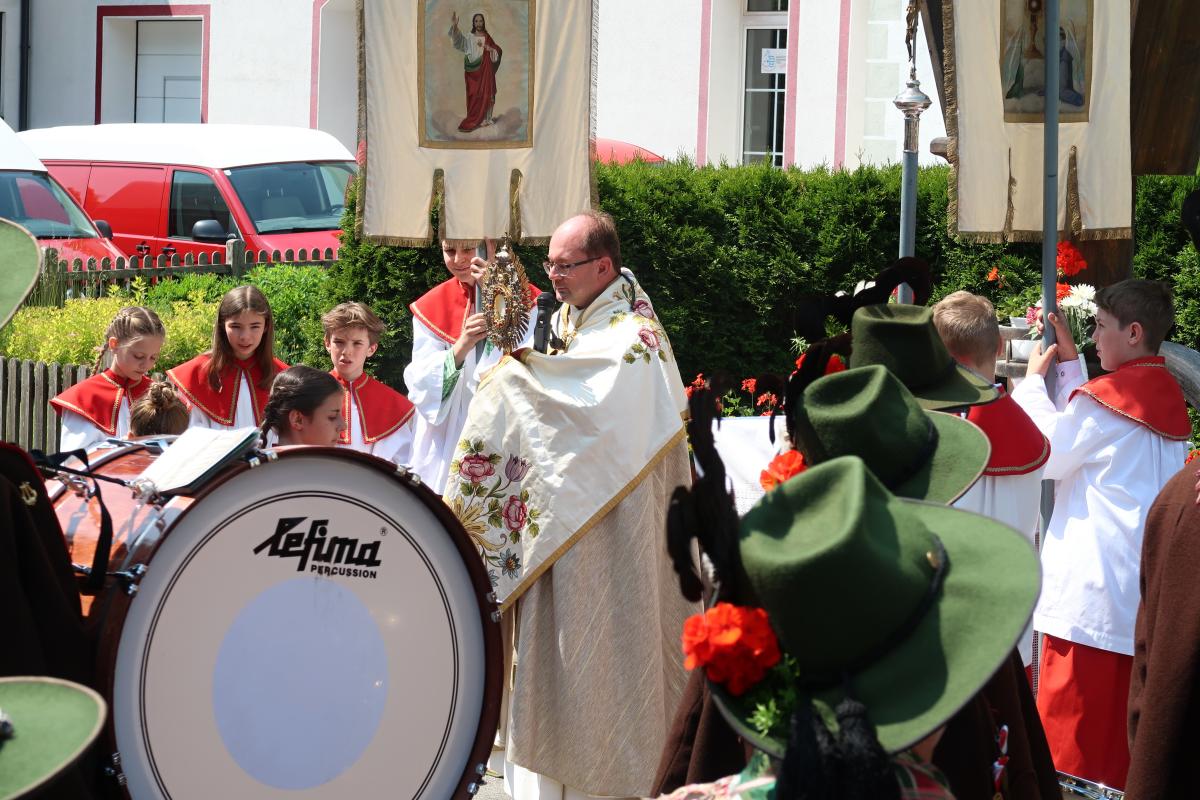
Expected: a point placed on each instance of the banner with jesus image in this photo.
(476, 78)
(481, 107)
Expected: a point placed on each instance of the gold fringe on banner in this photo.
(1074, 216)
(1012, 208)
(361, 55)
(514, 206)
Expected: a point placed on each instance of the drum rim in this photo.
(117, 608)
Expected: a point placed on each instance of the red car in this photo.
(180, 188)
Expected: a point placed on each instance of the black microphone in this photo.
(541, 329)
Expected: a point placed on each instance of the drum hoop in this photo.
(102, 458)
(141, 553)
(1090, 789)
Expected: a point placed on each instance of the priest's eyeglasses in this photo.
(565, 269)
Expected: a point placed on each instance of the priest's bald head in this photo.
(585, 257)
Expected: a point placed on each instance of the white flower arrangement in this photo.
(1079, 310)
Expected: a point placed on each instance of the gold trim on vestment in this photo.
(530, 578)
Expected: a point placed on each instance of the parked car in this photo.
(33, 200)
(179, 188)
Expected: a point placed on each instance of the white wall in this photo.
(648, 73)
(816, 91)
(10, 65)
(337, 112)
(62, 82)
(726, 82)
(119, 51)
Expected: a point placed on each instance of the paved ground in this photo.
(492, 790)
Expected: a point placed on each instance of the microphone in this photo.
(542, 334)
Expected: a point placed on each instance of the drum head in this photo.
(308, 628)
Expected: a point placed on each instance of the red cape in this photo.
(1144, 391)
(1018, 447)
(98, 399)
(191, 377)
(381, 409)
(443, 308)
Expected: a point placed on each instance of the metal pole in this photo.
(911, 101)
(480, 252)
(1049, 246)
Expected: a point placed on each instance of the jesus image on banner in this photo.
(1023, 64)
(475, 59)
(481, 60)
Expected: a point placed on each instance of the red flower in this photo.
(787, 464)
(766, 399)
(1191, 456)
(835, 364)
(748, 385)
(994, 275)
(515, 513)
(734, 644)
(1069, 260)
(697, 383)
(476, 467)
(1061, 290)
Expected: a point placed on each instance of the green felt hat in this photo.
(911, 605)
(53, 721)
(19, 260)
(867, 412)
(903, 338)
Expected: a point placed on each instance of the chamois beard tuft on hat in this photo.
(812, 311)
(705, 512)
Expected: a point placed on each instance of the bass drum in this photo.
(317, 626)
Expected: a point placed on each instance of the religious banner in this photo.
(995, 96)
(483, 107)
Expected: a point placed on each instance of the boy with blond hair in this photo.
(378, 418)
(1114, 443)
(1010, 487)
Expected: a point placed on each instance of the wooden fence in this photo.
(26, 387)
(61, 279)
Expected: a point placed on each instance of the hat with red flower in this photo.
(845, 590)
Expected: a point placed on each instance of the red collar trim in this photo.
(220, 405)
(98, 399)
(1143, 390)
(381, 409)
(1018, 447)
(444, 307)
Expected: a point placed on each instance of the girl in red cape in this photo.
(227, 387)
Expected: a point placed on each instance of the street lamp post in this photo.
(912, 102)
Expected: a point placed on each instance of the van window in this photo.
(293, 197)
(195, 196)
(41, 206)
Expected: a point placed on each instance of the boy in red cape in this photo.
(378, 418)
(1114, 443)
(1011, 485)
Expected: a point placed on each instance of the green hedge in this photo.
(188, 308)
(725, 252)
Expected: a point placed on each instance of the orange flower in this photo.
(735, 645)
(1191, 456)
(749, 385)
(835, 364)
(1061, 290)
(787, 464)
(994, 275)
(697, 383)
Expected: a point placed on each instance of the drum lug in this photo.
(130, 578)
(481, 769)
(406, 474)
(113, 770)
(496, 616)
(472, 788)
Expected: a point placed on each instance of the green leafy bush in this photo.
(298, 297)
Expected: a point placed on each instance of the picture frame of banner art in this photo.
(475, 63)
(1023, 60)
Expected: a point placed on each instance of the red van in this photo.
(179, 188)
(32, 199)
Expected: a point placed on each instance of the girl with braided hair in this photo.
(158, 412)
(305, 407)
(98, 408)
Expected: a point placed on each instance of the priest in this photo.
(562, 477)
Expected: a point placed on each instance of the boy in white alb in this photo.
(1010, 488)
(1114, 442)
(378, 418)
(444, 370)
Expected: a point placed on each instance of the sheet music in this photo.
(197, 453)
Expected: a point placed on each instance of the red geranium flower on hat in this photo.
(835, 364)
(786, 465)
(734, 644)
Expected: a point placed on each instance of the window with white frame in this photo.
(764, 41)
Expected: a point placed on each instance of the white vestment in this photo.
(1109, 469)
(79, 433)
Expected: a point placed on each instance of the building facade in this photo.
(792, 82)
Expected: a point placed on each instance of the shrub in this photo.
(298, 297)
